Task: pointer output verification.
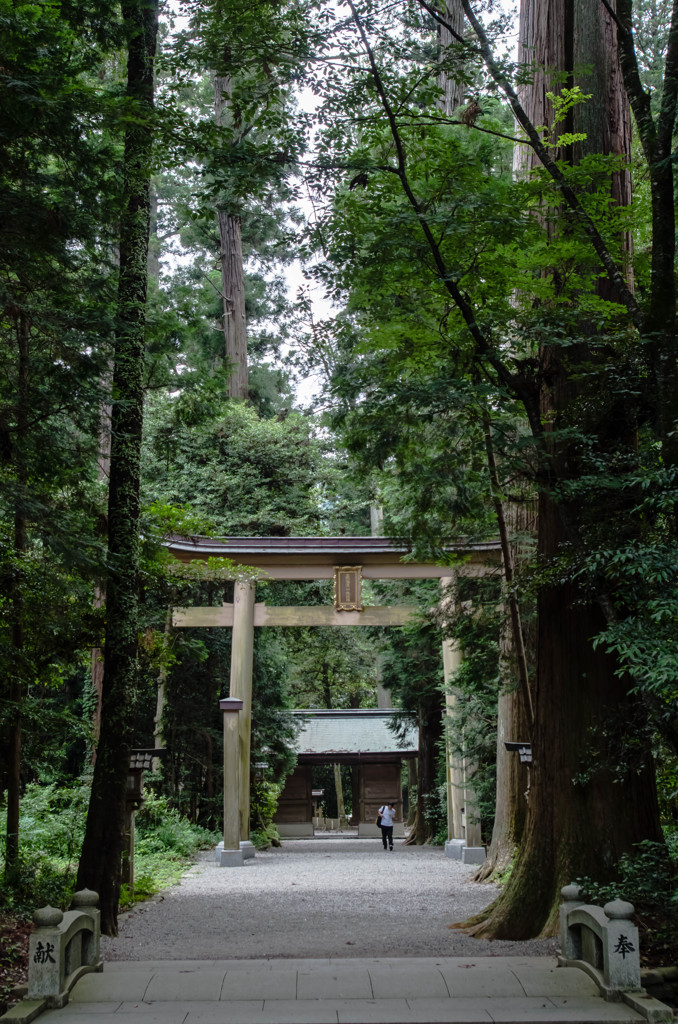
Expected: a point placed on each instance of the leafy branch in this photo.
(614, 272)
(484, 347)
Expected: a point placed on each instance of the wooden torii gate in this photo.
(347, 560)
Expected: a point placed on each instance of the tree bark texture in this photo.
(233, 294)
(573, 828)
(412, 787)
(580, 817)
(100, 862)
(452, 91)
(103, 473)
(16, 682)
(514, 718)
(158, 736)
(656, 135)
(232, 273)
(513, 782)
(580, 39)
(430, 717)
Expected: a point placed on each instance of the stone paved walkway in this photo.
(505, 990)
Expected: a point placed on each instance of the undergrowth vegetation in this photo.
(52, 824)
(647, 878)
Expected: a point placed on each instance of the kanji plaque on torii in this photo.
(348, 588)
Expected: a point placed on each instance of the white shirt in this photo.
(387, 814)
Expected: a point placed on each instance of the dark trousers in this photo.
(387, 835)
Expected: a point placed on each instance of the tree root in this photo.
(472, 924)
(485, 871)
(496, 922)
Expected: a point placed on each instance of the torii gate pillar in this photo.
(463, 824)
(242, 655)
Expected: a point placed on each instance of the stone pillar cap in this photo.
(619, 909)
(85, 898)
(47, 917)
(571, 892)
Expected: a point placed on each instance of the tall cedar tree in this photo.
(56, 196)
(573, 829)
(99, 866)
(578, 822)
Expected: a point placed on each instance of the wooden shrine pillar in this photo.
(463, 819)
(380, 782)
(242, 656)
(355, 794)
(294, 816)
(455, 774)
(229, 853)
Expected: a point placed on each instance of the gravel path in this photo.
(316, 898)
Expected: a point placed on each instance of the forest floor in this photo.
(14, 934)
(316, 898)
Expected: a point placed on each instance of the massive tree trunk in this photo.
(232, 274)
(580, 817)
(515, 703)
(99, 867)
(512, 785)
(103, 473)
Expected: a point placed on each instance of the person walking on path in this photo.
(386, 814)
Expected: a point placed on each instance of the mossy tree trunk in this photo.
(412, 786)
(580, 819)
(512, 784)
(99, 867)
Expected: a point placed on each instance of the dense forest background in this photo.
(202, 210)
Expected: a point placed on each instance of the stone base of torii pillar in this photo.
(233, 858)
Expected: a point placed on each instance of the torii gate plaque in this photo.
(348, 588)
(304, 558)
